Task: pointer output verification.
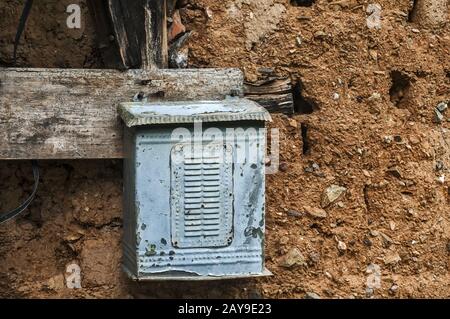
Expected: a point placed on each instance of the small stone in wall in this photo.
(441, 107)
(320, 35)
(293, 123)
(439, 166)
(209, 13)
(342, 246)
(374, 98)
(294, 213)
(73, 237)
(332, 194)
(439, 112)
(393, 290)
(312, 295)
(315, 212)
(392, 258)
(283, 167)
(284, 240)
(388, 139)
(394, 171)
(414, 140)
(293, 258)
(438, 116)
(56, 283)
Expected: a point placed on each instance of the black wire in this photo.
(4, 217)
(22, 22)
(17, 211)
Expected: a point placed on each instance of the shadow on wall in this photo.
(228, 289)
(302, 3)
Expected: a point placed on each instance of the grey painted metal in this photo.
(183, 277)
(194, 204)
(202, 212)
(231, 109)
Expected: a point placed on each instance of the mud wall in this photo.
(366, 121)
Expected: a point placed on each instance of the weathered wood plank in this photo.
(140, 31)
(63, 114)
(274, 94)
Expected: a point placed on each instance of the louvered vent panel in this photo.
(202, 196)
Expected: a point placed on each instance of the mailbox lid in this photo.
(229, 110)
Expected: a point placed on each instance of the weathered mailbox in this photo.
(194, 176)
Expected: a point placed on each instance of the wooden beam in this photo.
(274, 94)
(68, 113)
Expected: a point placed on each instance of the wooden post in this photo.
(138, 29)
(105, 34)
(156, 51)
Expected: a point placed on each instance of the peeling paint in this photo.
(150, 250)
(228, 244)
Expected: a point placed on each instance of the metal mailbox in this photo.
(194, 177)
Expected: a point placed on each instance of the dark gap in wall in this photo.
(302, 105)
(305, 138)
(366, 198)
(413, 10)
(401, 83)
(180, 3)
(302, 3)
(69, 169)
(4, 63)
(421, 73)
